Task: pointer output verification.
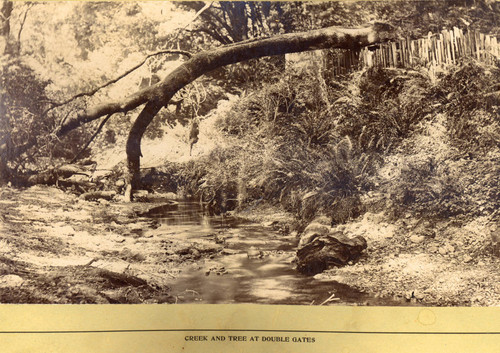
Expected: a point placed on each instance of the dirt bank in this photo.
(58, 248)
(440, 262)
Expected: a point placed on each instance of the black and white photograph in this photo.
(294, 153)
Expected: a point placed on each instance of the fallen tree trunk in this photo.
(202, 63)
(96, 195)
(157, 96)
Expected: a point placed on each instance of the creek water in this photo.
(256, 265)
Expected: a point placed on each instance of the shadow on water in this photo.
(256, 266)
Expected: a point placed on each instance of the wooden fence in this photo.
(447, 47)
(433, 51)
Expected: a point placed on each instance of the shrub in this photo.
(26, 121)
(469, 96)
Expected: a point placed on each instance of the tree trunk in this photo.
(207, 61)
(331, 37)
(159, 95)
(134, 146)
(5, 142)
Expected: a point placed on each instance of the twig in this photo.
(99, 128)
(330, 299)
(116, 79)
(203, 9)
(22, 24)
(192, 291)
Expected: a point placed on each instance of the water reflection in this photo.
(237, 277)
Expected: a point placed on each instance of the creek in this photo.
(256, 265)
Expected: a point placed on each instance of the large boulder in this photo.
(328, 250)
(318, 227)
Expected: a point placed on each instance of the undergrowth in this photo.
(314, 145)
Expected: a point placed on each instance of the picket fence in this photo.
(447, 47)
(433, 51)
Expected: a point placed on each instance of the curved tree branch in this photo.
(116, 79)
(97, 131)
(204, 62)
(159, 94)
(200, 12)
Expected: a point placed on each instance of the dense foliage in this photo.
(315, 145)
(306, 140)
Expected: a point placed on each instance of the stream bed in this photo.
(256, 265)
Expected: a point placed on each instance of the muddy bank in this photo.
(440, 262)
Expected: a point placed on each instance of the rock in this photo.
(313, 230)
(170, 195)
(467, 258)
(418, 295)
(433, 249)
(219, 239)
(64, 231)
(97, 195)
(140, 194)
(271, 267)
(195, 253)
(446, 249)
(270, 223)
(417, 239)
(196, 250)
(230, 252)
(317, 228)
(116, 267)
(324, 220)
(119, 198)
(332, 250)
(101, 174)
(137, 228)
(129, 255)
(252, 252)
(429, 233)
(11, 281)
(120, 183)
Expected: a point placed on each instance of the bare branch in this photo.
(23, 21)
(116, 79)
(99, 128)
(203, 9)
(201, 63)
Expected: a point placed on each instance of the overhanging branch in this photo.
(116, 79)
(204, 62)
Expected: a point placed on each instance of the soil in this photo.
(441, 262)
(58, 248)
